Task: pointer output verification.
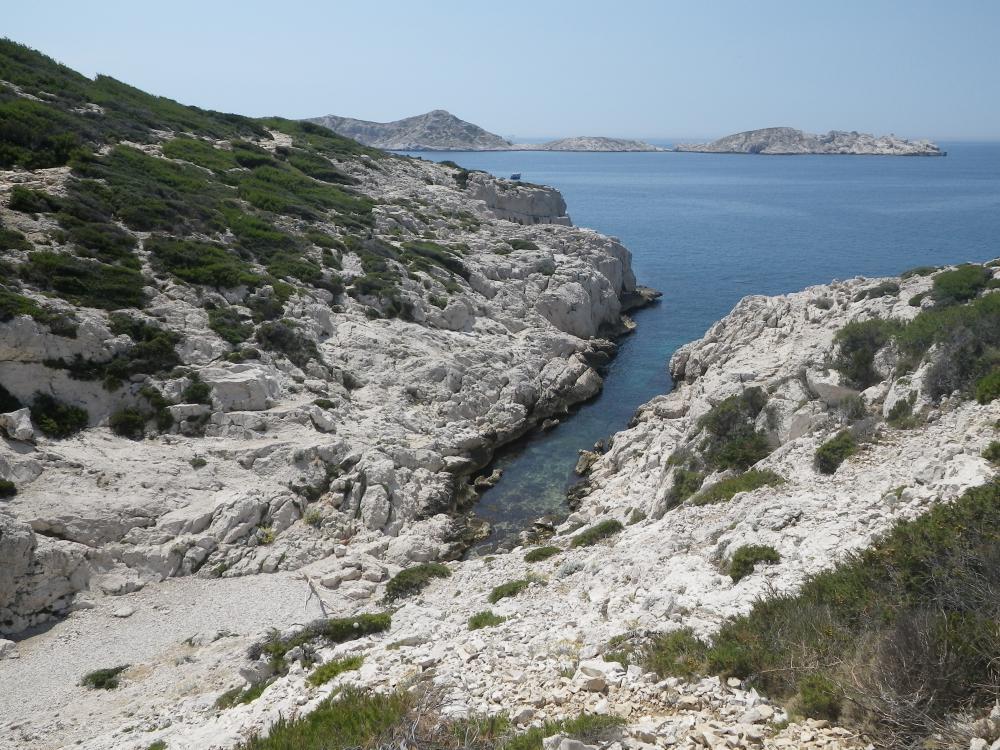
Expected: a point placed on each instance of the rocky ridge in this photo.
(551, 655)
(440, 130)
(788, 141)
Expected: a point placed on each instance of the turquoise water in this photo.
(707, 229)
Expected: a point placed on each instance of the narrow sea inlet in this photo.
(708, 229)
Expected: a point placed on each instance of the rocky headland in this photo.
(440, 130)
(789, 141)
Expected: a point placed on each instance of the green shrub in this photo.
(746, 558)
(103, 679)
(7, 488)
(485, 619)
(858, 343)
(733, 442)
(348, 719)
(918, 271)
(55, 418)
(239, 696)
(414, 579)
(509, 589)
(198, 462)
(727, 488)
(960, 285)
(197, 392)
(883, 289)
(819, 698)
(200, 263)
(541, 553)
(917, 299)
(901, 413)
(283, 336)
(992, 452)
(157, 745)
(988, 387)
(230, 326)
(421, 255)
(13, 305)
(596, 533)
(333, 630)
(11, 239)
(331, 669)
(32, 201)
(831, 454)
(686, 483)
(676, 654)
(83, 281)
(199, 152)
(129, 423)
(914, 614)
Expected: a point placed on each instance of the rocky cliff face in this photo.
(549, 655)
(434, 131)
(790, 141)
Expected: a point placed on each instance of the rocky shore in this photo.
(549, 653)
(789, 141)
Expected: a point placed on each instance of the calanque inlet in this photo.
(250, 371)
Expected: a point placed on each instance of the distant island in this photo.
(789, 141)
(440, 130)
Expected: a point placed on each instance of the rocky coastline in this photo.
(789, 141)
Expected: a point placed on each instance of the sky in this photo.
(631, 68)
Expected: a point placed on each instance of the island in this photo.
(439, 130)
(789, 141)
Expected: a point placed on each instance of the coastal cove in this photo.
(709, 229)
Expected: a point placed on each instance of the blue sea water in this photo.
(708, 229)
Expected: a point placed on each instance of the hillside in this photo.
(434, 131)
(588, 143)
(788, 141)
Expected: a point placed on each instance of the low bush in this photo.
(230, 325)
(11, 239)
(85, 282)
(128, 422)
(917, 299)
(414, 579)
(988, 387)
(239, 696)
(918, 271)
(56, 418)
(103, 679)
(198, 462)
(197, 392)
(283, 336)
(13, 305)
(675, 654)
(596, 533)
(197, 262)
(541, 553)
(819, 698)
(485, 619)
(831, 454)
(732, 441)
(992, 452)
(745, 559)
(509, 589)
(333, 630)
(960, 285)
(884, 289)
(686, 483)
(326, 672)
(346, 720)
(596, 729)
(857, 344)
(518, 244)
(901, 413)
(7, 489)
(728, 488)
(32, 201)
(905, 629)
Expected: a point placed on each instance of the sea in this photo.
(708, 229)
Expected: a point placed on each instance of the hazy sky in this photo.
(537, 68)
